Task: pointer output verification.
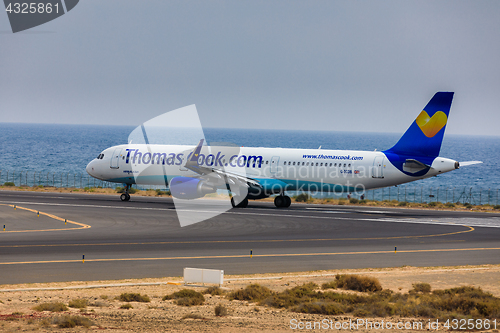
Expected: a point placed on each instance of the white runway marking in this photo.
(491, 222)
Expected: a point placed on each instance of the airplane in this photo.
(193, 172)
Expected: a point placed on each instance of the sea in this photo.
(57, 154)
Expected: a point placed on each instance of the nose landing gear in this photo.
(125, 196)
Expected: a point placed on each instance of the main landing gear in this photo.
(242, 204)
(282, 201)
(125, 196)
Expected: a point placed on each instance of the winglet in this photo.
(196, 151)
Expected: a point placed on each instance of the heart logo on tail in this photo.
(430, 126)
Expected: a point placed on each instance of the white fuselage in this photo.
(293, 169)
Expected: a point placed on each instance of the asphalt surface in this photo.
(142, 238)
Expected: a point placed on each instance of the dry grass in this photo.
(131, 297)
(72, 321)
(127, 306)
(253, 292)
(52, 307)
(186, 297)
(358, 283)
(213, 291)
(422, 287)
(220, 310)
(78, 303)
(192, 316)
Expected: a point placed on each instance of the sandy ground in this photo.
(17, 314)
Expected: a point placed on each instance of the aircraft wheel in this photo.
(288, 201)
(124, 197)
(279, 201)
(242, 204)
(128, 197)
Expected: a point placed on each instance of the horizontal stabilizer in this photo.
(470, 163)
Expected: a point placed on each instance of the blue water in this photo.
(52, 150)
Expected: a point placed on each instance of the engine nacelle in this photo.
(189, 188)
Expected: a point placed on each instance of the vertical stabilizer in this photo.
(425, 135)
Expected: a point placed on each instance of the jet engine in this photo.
(189, 188)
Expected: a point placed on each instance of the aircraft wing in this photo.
(217, 175)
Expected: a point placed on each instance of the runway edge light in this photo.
(395, 249)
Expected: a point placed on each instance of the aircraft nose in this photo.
(90, 168)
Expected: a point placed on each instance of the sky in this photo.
(368, 66)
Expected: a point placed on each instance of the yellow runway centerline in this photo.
(247, 256)
(81, 225)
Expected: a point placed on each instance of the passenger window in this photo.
(335, 165)
(303, 163)
(267, 162)
(349, 165)
(317, 164)
(284, 163)
(344, 165)
(289, 163)
(293, 163)
(321, 164)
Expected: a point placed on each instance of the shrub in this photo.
(220, 310)
(131, 190)
(432, 204)
(294, 296)
(253, 292)
(303, 197)
(52, 307)
(127, 306)
(192, 316)
(358, 283)
(213, 291)
(403, 203)
(186, 297)
(422, 287)
(496, 207)
(353, 200)
(341, 201)
(78, 303)
(329, 308)
(450, 205)
(126, 297)
(72, 321)
(9, 184)
(467, 205)
(329, 285)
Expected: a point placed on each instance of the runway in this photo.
(48, 234)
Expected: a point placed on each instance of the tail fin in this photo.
(425, 135)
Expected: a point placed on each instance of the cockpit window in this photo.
(100, 157)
